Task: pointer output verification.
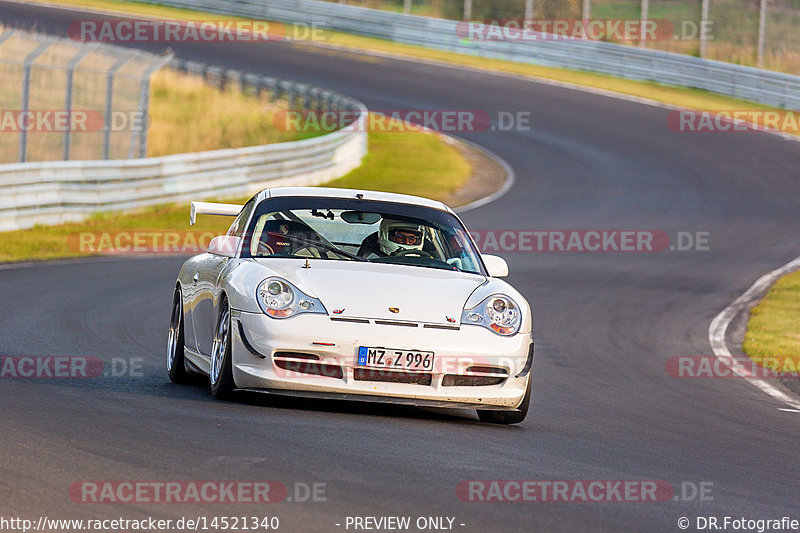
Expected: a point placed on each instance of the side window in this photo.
(238, 226)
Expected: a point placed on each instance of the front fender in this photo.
(240, 283)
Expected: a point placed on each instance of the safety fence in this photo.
(53, 88)
(763, 86)
(58, 191)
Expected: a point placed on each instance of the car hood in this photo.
(371, 290)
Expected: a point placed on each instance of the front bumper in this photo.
(261, 344)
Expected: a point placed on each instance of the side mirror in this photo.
(495, 265)
(224, 245)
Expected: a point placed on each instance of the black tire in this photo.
(220, 379)
(176, 365)
(509, 417)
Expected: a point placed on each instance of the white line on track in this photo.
(719, 327)
(510, 178)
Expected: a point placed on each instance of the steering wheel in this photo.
(264, 249)
(412, 253)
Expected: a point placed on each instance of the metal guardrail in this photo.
(763, 86)
(59, 191)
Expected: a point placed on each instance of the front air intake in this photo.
(302, 363)
(492, 375)
(413, 378)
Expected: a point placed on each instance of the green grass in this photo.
(410, 162)
(773, 330)
(657, 10)
(189, 115)
(678, 96)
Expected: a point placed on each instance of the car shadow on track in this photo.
(278, 401)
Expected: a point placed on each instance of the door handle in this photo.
(195, 278)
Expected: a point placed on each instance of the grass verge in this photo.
(434, 169)
(190, 115)
(408, 163)
(678, 96)
(773, 330)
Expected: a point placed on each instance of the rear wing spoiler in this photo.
(208, 208)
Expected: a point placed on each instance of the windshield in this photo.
(360, 230)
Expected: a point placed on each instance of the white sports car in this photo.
(345, 294)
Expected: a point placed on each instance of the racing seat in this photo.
(276, 239)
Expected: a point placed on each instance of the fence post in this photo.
(703, 24)
(762, 28)
(109, 98)
(529, 9)
(645, 9)
(587, 8)
(71, 64)
(467, 9)
(144, 103)
(26, 94)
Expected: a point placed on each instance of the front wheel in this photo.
(176, 367)
(509, 417)
(221, 375)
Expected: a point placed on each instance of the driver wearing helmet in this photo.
(394, 237)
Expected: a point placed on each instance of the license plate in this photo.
(395, 359)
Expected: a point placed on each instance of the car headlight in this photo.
(498, 312)
(280, 299)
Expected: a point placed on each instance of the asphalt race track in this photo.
(604, 406)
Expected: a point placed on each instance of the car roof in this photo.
(330, 192)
